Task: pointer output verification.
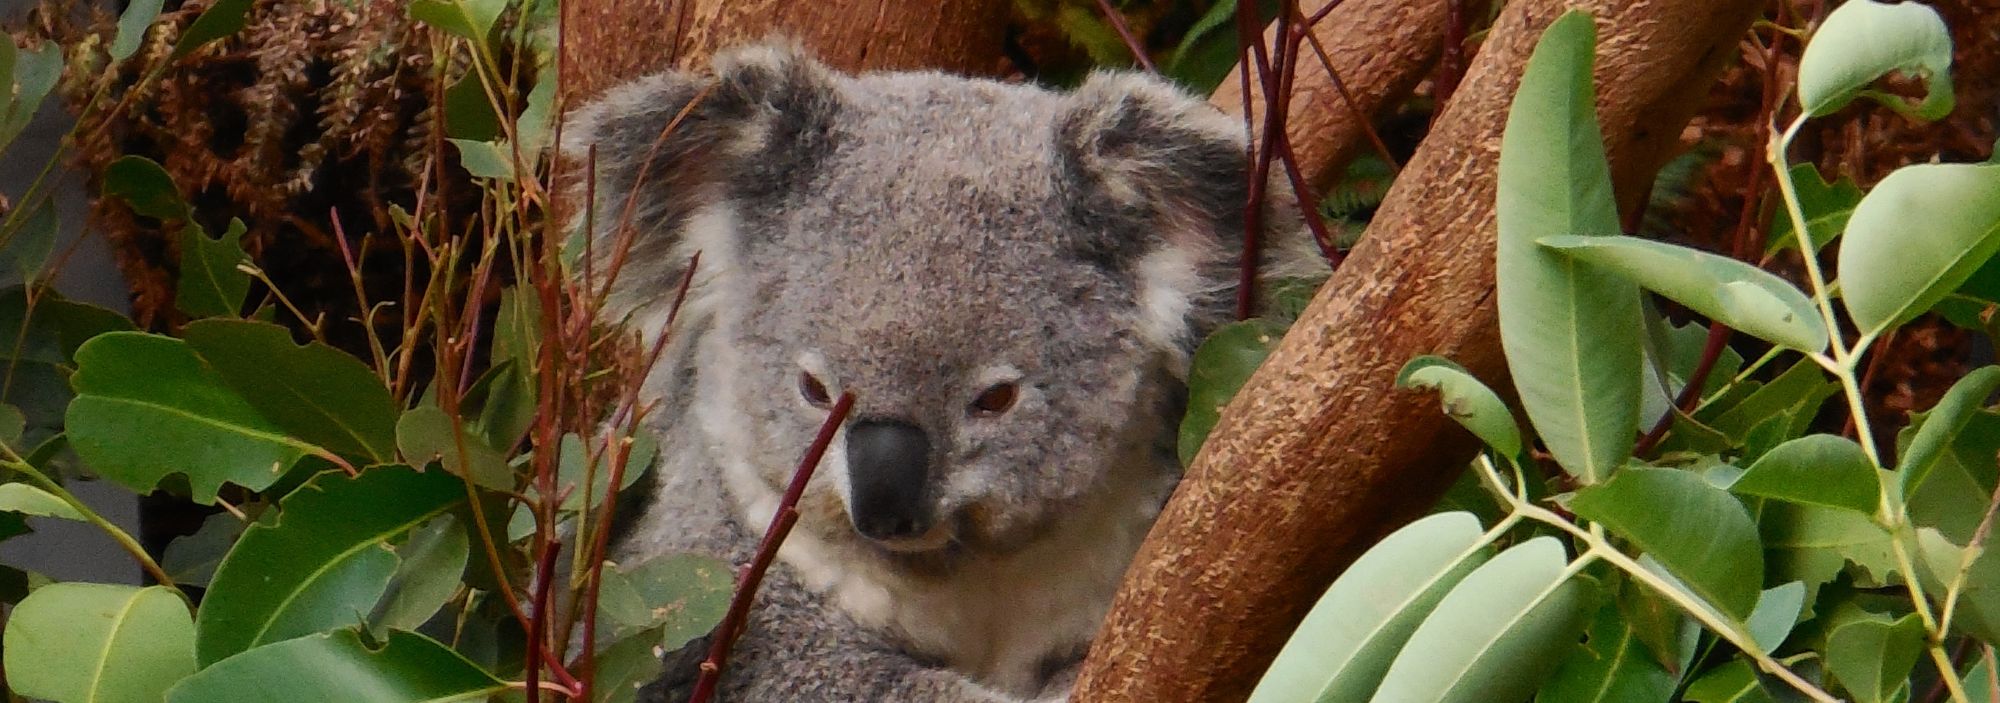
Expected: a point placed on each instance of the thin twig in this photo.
(767, 550)
(1117, 20)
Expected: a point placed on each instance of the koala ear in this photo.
(673, 143)
(1156, 182)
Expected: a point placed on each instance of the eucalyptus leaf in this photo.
(191, 559)
(465, 19)
(324, 564)
(1818, 469)
(1942, 425)
(1918, 236)
(34, 74)
(1737, 294)
(28, 250)
(681, 596)
(1699, 532)
(145, 187)
(29, 500)
(1610, 666)
(132, 25)
(1862, 40)
(220, 20)
(210, 284)
(1220, 367)
(98, 642)
(147, 407)
(1346, 643)
(339, 668)
(1826, 206)
(431, 565)
(426, 433)
(1778, 609)
(315, 392)
(485, 159)
(1466, 400)
(1733, 682)
(1497, 635)
(1565, 326)
(1872, 657)
(1940, 561)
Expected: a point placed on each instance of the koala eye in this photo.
(814, 391)
(996, 400)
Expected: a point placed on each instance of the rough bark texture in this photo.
(1319, 454)
(1380, 48)
(612, 40)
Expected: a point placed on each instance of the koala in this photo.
(1009, 280)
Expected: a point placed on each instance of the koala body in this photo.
(1009, 281)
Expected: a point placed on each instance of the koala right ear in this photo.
(670, 144)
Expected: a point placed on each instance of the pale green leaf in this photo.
(1570, 331)
(1699, 532)
(339, 668)
(1497, 635)
(132, 24)
(1345, 644)
(1778, 609)
(29, 500)
(485, 159)
(465, 19)
(98, 642)
(1818, 469)
(1872, 656)
(426, 433)
(1466, 400)
(1919, 235)
(1862, 40)
(1744, 297)
(1942, 425)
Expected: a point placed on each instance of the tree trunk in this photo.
(1319, 454)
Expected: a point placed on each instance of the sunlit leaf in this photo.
(1570, 330)
(1862, 40)
(1699, 532)
(1497, 635)
(1466, 400)
(98, 642)
(1737, 294)
(1919, 235)
(324, 564)
(1345, 644)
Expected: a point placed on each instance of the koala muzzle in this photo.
(888, 464)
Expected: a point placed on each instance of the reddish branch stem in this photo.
(767, 550)
(1117, 20)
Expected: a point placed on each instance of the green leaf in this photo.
(465, 19)
(1942, 424)
(1466, 400)
(145, 187)
(1920, 234)
(1700, 533)
(1345, 644)
(1566, 327)
(1737, 294)
(623, 667)
(210, 284)
(1813, 545)
(139, 15)
(147, 407)
(29, 500)
(1816, 469)
(1796, 392)
(485, 159)
(1734, 682)
(222, 19)
(468, 113)
(1954, 494)
(425, 433)
(1863, 40)
(1978, 609)
(191, 560)
(1220, 368)
(324, 564)
(1778, 609)
(98, 642)
(338, 668)
(1872, 656)
(432, 564)
(1611, 666)
(315, 392)
(1498, 634)
(575, 464)
(34, 74)
(12, 424)
(1826, 207)
(28, 250)
(682, 596)
(1208, 51)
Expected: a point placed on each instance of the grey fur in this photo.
(916, 238)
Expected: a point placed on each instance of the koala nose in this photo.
(888, 462)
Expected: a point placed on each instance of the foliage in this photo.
(392, 515)
(1733, 553)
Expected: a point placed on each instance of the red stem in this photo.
(1117, 20)
(767, 550)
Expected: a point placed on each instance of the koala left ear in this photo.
(1156, 181)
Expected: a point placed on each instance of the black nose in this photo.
(888, 462)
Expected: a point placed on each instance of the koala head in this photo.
(1008, 279)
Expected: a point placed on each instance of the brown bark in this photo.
(1320, 454)
(1381, 50)
(612, 40)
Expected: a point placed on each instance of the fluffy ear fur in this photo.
(670, 144)
(1157, 181)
